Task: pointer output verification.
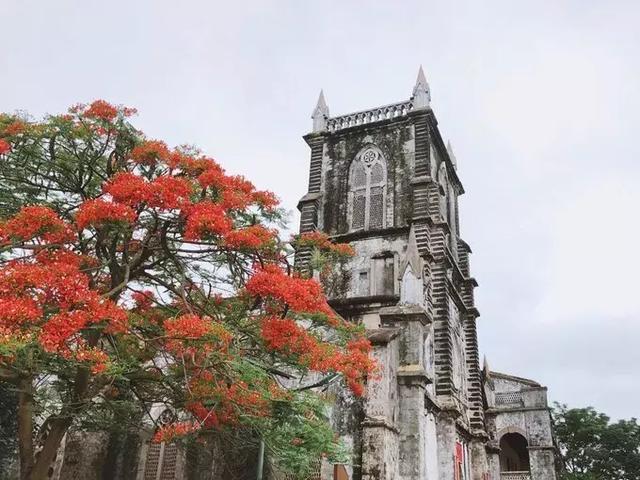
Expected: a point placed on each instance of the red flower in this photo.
(213, 176)
(97, 212)
(150, 152)
(14, 128)
(236, 193)
(300, 294)
(36, 222)
(166, 433)
(127, 188)
(322, 242)
(169, 192)
(4, 147)
(204, 219)
(185, 331)
(254, 236)
(284, 335)
(187, 326)
(143, 300)
(266, 200)
(101, 110)
(16, 311)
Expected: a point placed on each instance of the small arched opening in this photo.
(514, 453)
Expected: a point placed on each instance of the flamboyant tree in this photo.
(133, 273)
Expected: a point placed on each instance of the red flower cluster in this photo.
(231, 401)
(285, 336)
(235, 192)
(322, 242)
(212, 176)
(14, 128)
(183, 330)
(97, 212)
(48, 295)
(300, 294)
(204, 219)
(101, 110)
(166, 433)
(98, 110)
(169, 192)
(267, 200)
(187, 327)
(164, 192)
(150, 152)
(5, 147)
(36, 222)
(126, 187)
(94, 356)
(17, 311)
(253, 237)
(143, 300)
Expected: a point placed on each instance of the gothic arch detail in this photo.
(443, 184)
(368, 190)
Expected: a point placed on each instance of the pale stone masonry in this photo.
(384, 181)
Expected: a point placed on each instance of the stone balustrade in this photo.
(508, 399)
(515, 476)
(369, 116)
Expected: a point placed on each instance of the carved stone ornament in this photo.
(369, 156)
(166, 417)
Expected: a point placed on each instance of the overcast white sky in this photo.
(539, 98)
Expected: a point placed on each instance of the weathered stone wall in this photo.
(396, 143)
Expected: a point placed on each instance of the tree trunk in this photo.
(25, 426)
(36, 467)
(47, 455)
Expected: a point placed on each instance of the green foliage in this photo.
(593, 448)
(299, 434)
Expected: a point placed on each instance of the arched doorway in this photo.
(514, 453)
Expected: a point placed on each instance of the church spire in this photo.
(320, 114)
(421, 93)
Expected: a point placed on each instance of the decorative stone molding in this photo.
(404, 313)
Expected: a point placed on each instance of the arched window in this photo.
(514, 453)
(368, 190)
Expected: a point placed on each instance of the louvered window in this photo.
(162, 457)
(368, 188)
(161, 461)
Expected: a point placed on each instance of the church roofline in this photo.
(526, 381)
(420, 100)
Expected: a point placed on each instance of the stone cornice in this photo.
(365, 234)
(382, 336)
(413, 375)
(499, 410)
(379, 422)
(311, 197)
(405, 313)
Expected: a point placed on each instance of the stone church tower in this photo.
(384, 181)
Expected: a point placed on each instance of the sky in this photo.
(540, 100)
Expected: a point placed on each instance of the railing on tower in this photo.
(509, 399)
(369, 116)
(515, 476)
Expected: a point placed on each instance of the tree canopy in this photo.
(594, 448)
(133, 274)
